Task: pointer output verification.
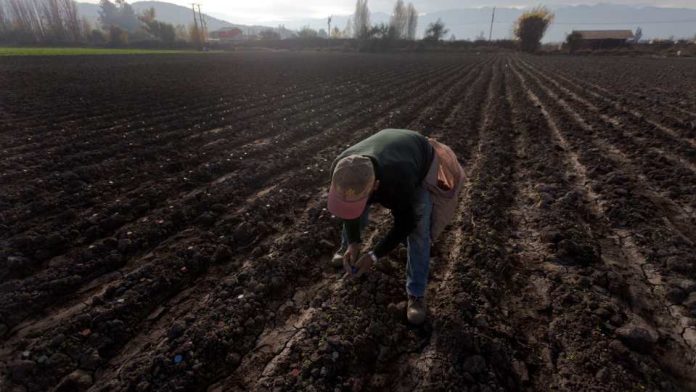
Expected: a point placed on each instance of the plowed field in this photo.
(162, 224)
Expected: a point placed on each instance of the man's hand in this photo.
(350, 256)
(364, 265)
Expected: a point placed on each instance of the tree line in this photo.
(402, 25)
(50, 21)
(58, 22)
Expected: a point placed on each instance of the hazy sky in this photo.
(259, 11)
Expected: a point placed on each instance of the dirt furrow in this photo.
(651, 169)
(421, 98)
(641, 298)
(100, 225)
(271, 362)
(273, 330)
(627, 117)
(222, 162)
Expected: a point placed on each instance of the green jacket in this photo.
(401, 159)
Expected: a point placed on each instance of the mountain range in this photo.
(469, 23)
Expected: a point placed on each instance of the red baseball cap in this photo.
(351, 184)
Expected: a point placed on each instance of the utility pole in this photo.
(329, 22)
(203, 26)
(196, 31)
(490, 33)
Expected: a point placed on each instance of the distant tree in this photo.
(74, 26)
(108, 14)
(361, 20)
(336, 33)
(54, 29)
(573, 41)
(411, 22)
(435, 31)
(269, 35)
(181, 33)
(480, 37)
(348, 30)
(118, 36)
(26, 21)
(195, 35)
(306, 33)
(4, 20)
(452, 38)
(399, 21)
(120, 14)
(322, 33)
(379, 31)
(164, 32)
(638, 35)
(148, 15)
(531, 26)
(97, 37)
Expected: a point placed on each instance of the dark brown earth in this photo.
(162, 224)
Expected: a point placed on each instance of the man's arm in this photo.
(352, 230)
(405, 221)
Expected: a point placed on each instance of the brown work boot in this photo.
(337, 260)
(416, 310)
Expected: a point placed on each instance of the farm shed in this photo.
(603, 39)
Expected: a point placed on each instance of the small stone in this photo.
(124, 245)
(638, 338)
(21, 370)
(234, 359)
(475, 364)
(690, 301)
(602, 375)
(687, 285)
(79, 380)
(222, 254)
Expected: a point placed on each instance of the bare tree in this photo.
(4, 20)
(348, 30)
(50, 13)
(27, 20)
(72, 22)
(361, 20)
(411, 22)
(399, 21)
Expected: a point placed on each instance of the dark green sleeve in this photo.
(353, 230)
(405, 220)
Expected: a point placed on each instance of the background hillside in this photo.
(468, 23)
(169, 13)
